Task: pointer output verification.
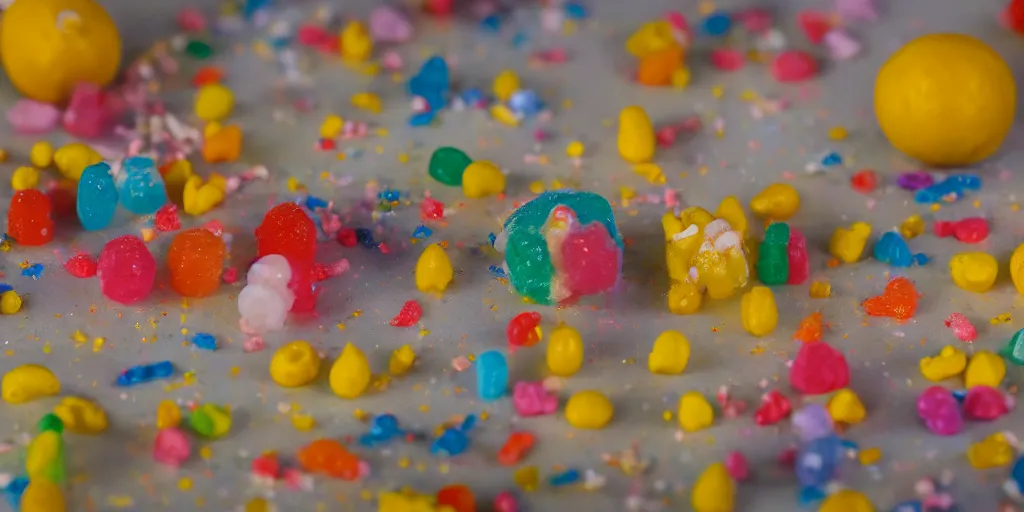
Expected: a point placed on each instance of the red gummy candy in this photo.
(819, 369)
(591, 259)
(984, 403)
(864, 181)
(91, 111)
(266, 466)
(506, 502)
(969, 231)
(439, 7)
(207, 75)
(166, 218)
(347, 237)
(814, 25)
(1013, 16)
(458, 497)
(328, 457)
(727, 60)
(774, 408)
(409, 315)
(431, 209)
(28, 218)
(523, 330)
(737, 466)
(63, 196)
(81, 266)
(899, 300)
(515, 448)
(794, 66)
(799, 267)
(288, 231)
(809, 330)
(126, 269)
(301, 284)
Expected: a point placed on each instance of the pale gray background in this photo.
(618, 329)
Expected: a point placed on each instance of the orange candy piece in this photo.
(28, 218)
(459, 497)
(656, 68)
(196, 259)
(329, 457)
(224, 145)
(899, 300)
(809, 330)
(207, 75)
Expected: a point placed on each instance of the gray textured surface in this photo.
(618, 329)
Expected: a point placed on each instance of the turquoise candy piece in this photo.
(526, 250)
(97, 197)
(140, 186)
(491, 375)
(773, 255)
(1013, 351)
(447, 165)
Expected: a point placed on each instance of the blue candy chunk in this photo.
(421, 119)
(491, 238)
(140, 186)
(35, 271)
(717, 24)
(97, 197)
(892, 249)
(204, 341)
(909, 506)
(575, 11)
(365, 238)
(313, 202)
(491, 375)
(389, 195)
(491, 23)
(520, 39)
(525, 102)
(251, 7)
(468, 423)
(817, 461)
(472, 97)
(497, 271)
(145, 373)
(451, 442)
(808, 496)
(383, 428)
(4, 287)
(432, 83)
(14, 490)
(422, 232)
(950, 189)
(567, 477)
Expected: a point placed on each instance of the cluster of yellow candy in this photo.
(662, 55)
(705, 253)
(994, 451)
(214, 102)
(70, 160)
(30, 382)
(985, 368)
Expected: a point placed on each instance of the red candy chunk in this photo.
(329, 457)
(1013, 16)
(63, 196)
(899, 300)
(523, 330)
(28, 218)
(409, 315)
(794, 66)
(166, 218)
(288, 231)
(799, 266)
(431, 209)
(439, 7)
(591, 259)
(91, 111)
(774, 408)
(814, 25)
(347, 237)
(809, 330)
(266, 466)
(506, 502)
(458, 497)
(864, 181)
(971, 230)
(81, 266)
(984, 403)
(819, 369)
(516, 447)
(726, 59)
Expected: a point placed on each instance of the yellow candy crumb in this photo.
(992, 452)
(846, 500)
(434, 270)
(504, 115)
(214, 102)
(714, 490)
(71, 159)
(650, 172)
(912, 227)
(777, 202)
(41, 154)
(401, 360)
(950, 362)
(505, 84)
(482, 179)
(81, 416)
(168, 414)
(837, 133)
(974, 271)
(537, 187)
(574, 149)
(331, 127)
(565, 351)
(846, 407)
(527, 478)
(350, 374)
(820, 290)
(28, 382)
(185, 484)
(759, 314)
(295, 364)
(869, 456)
(303, 422)
(848, 244)
(985, 369)
(367, 101)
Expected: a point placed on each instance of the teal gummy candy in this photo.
(447, 165)
(97, 197)
(526, 252)
(491, 375)
(773, 255)
(1013, 351)
(140, 186)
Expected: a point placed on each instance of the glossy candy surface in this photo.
(195, 259)
(97, 197)
(29, 219)
(140, 186)
(126, 270)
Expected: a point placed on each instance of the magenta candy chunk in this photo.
(302, 285)
(531, 399)
(506, 502)
(191, 20)
(389, 25)
(91, 111)
(126, 270)
(591, 259)
(171, 447)
(737, 466)
(819, 369)
(799, 267)
(984, 403)
(33, 117)
(794, 66)
(726, 59)
(938, 408)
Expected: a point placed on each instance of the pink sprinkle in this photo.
(857, 10)
(841, 45)
(962, 328)
(539, 135)
(671, 198)
(230, 275)
(392, 61)
(461, 363)
(794, 66)
(737, 466)
(726, 59)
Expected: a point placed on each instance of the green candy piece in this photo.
(199, 49)
(526, 252)
(447, 165)
(1013, 351)
(51, 422)
(210, 420)
(773, 255)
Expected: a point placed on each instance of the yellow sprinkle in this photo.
(185, 484)
(717, 91)
(403, 158)
(667, 415)
(303, 422)
(537, 187)
(869, 456)
(748, 95)
(97, 344)
(404, 462)
(206, 453)
(837, 133)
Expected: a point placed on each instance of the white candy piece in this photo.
(263, 308)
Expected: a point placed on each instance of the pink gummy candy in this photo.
(984, 403)
(506, 502)
(81, 266)
(799, 267)
(531, 399)
(814, 25)
(819, 369)
(841, 45)
(754, 20)
(726, 59)
(33, 117)
(171, 447)
(737, 466)
(939, 410)
(126, 270)
(794, 66)
(962, 328)
(191, 20)
(857, 10)
(591, 259)
(91, 111)
(388, 24)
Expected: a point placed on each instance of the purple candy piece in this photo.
(812, 422)
(915, 180)
(940, 411)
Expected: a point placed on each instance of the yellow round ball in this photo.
(48, 47)
(945, 99)
(295, 364)
(589, 410)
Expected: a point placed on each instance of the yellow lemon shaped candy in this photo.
(847, 500)
(482, 179)
(589, 410)
(71, 159)
(778, 201)
(714, 490)
(985, 369)
(695, 413)
(1017, 268)
(295, 364)
(350, 373)
(50, 46)
(945, 99)
(950, 362)
(28, 382)
(565, 351)
(434, 270)
(401, 360)
(506, 83)
(845, 406)
(42, 495)
(974, 271)
(214, 102)
(81, 416)
(636, 139)
(758, 311)
(670, 354)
